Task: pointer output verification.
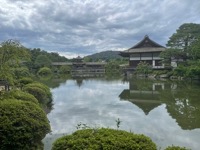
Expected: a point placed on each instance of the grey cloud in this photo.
(86, 27)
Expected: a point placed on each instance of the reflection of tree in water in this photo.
(181, 99)
(54, 82)
(183, 105)
(49, 107)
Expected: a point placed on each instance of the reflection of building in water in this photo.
(181, 100)
(144, 95)
(80, 68)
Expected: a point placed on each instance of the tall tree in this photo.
(181, 45)
(42, 61)
(11, 54)
(184, 36)
(194, 50)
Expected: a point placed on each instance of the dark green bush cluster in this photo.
(20, 95)
(22, 125)
(104, 138)
(41, 92)
(45, 71)
(176, 148)
(25, 80)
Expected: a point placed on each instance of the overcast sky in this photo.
(82, 27)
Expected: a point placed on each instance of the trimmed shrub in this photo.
(21, 72)
(44, 71)
(25, 81)
(43, 87)
(20, 95)
(22, 125)
(176, 148)
(65, 69)
(38, 93)
(104, 138)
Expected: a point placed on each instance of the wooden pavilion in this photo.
(84, 69)
(146, 50)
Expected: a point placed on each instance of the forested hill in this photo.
(105, 55)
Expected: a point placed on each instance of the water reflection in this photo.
(181, 99)
(158, 109)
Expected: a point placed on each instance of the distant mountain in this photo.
(105, 55)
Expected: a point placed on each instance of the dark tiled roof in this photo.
(146, 42)
(144, 46)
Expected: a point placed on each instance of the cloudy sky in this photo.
(82, 27)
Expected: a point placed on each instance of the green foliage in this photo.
(40, 91)
(37, 56)
(180, 70)
(45, 71)
(87, 59)
(176, 148)
(184, 36)
(54, 57)
(113, 67)
(12, 53)
(170, 54)
(193, 71)
(95, 139)
(20, 95)
(23, 125)
(25, 80)
(42, 61)
(21, 72)
(184, 46)
(194, 50)
(65, 69)
(143, 68)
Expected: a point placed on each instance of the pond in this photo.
(166, 111)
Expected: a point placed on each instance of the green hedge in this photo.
(41, 92)
(38, 93)
(44, 71)
(25, 80)
(20, 95)
(104, 138)
(22, 125)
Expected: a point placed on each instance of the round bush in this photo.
(25, 81)
(42, 87)
(38, 93)
(44, 71)
(22, 125)
(104, 138)
(20, 95)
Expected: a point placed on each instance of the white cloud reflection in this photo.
(96, 103)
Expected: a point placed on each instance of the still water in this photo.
(166, 111)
